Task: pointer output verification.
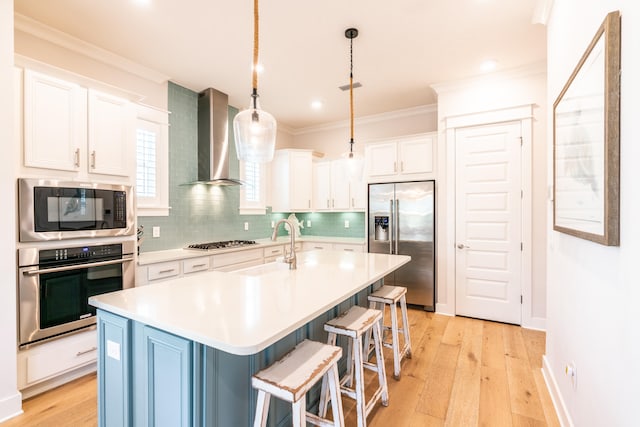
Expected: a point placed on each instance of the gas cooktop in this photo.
(221, 245)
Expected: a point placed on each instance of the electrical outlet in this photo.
(155, 231)
(273, 224)
(346, 223)
(308, 223)
(246, 226)
(571, 371)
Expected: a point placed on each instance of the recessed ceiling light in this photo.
(488, 65)
(316, 105)
(142, 2)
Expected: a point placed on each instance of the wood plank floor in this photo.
(464, 372)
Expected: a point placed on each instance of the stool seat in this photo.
(391, 296)
(291, 377)
(353, 322)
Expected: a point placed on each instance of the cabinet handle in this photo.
(309, 203)
(80, 353)
(93, 159)
(348, 250)
(333, 203)
(76, 158)
(327, 203)
(401, 166)
(318, 247)
(395, 167)
(275, 251)
(166, 271)
(353, 203)
(198, 265)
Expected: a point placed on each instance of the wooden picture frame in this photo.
(586, 142)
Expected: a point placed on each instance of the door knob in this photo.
(461, 246)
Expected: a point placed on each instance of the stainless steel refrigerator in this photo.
(401, 221)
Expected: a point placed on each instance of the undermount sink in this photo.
(260, 270)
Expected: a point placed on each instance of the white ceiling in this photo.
(403, 47)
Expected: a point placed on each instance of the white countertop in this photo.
(178, 254)
(248, 310)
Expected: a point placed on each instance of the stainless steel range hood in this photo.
(213, 138)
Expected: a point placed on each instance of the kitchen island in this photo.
(182, 352)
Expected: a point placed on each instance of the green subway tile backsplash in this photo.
(202, 213)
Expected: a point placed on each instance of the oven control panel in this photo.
(80, 253)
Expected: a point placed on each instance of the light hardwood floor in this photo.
(464, 372)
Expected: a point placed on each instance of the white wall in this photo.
(503, 90)
(10, 398)
(593, 290)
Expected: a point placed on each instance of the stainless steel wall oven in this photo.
(54, 285)
(56, 210)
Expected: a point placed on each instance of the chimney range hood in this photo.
(213, 138)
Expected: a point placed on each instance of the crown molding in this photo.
(533, 69)
(38, 29)
(374, 118)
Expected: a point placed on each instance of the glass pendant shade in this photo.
(255, 134)
(354, 165)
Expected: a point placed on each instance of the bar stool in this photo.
(354, 324)
(390, 295)
(291, 377)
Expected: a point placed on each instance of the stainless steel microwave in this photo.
(56, 210)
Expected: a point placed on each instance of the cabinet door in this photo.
(322, 186)
(163, 378)
(416, 156)
(382, 159)
(340, 198)
(358, 195)
(54, 122)
(301, 180)
(111, 135)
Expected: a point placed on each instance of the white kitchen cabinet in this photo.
(194, 265)
(163, 270)
(291, 180)
(52, 359)
(348, 247)
(401, 159)
(69, 128)
(333, 189)
(311, 246)
(236, 260)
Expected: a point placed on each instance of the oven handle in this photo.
(76, 267)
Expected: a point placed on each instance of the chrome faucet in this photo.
(291, 257)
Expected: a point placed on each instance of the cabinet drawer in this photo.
(56, 357)
(348, 247)
(273, 251)
(310, 246)
(236, 257)
(192, 265)
(163, 270)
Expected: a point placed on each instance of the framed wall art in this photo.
(586, 142)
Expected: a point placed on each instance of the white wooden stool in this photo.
(291, 377)
(355, 323)
(391, 295)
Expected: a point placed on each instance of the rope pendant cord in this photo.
(256, 47)
(351, 94)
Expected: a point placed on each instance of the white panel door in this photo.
(488, 222)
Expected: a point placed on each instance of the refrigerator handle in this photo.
(391, 226)
(397, 225)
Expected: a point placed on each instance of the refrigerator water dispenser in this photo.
(382, 228)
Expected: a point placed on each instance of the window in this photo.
(253, 191)
(152, 162)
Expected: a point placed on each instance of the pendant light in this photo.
(255, 129)
(354, 163)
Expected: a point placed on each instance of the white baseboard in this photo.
(445, 309)
(536, 323)
(556, 397)
(10, 406)
(58, 381)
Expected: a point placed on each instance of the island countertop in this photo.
(244, 312)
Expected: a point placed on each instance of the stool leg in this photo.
(396, 341)
(382, 375)
(336, 399)
(359, 386)
(299, 412)
(324, 390)
(262, 409)
(405, 325)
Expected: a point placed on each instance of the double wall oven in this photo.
(76, 241)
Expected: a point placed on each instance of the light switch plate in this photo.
(308, 223)
(156, 231)
(113, 350)
(346, 223)
(246, 226)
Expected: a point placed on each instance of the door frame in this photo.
(446, 264)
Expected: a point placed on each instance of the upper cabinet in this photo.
(291, 180)
(401, 159)
(334, 190)
(70, 128)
